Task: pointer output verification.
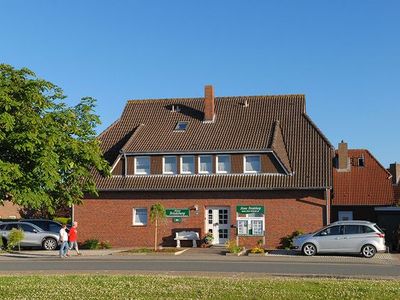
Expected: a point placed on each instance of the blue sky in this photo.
(343, 55)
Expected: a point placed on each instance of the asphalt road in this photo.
(196, 266)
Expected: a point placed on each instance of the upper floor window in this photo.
(142, 165)
(205, 164)
(252, 164)
(223, 163)
(187, 164)
(181, 126)
(169, 165)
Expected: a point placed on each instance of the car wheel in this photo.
(49, 244)
(309, 249)
(368, 251)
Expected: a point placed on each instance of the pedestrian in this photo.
(73, 238)
(63, 241)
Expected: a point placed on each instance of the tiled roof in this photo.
(277, 123)
(368, 185)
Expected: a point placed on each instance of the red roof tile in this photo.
(368, 185)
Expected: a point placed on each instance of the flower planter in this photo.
(237, 254)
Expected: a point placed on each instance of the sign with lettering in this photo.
(177, 212)
(249, 209)
(177, 220)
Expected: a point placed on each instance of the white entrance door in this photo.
(217, 222)
(345, 215)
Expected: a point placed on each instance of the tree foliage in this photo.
(48, 150)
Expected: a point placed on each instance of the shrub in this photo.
(91, 244)
(208, 239)
(105, 245)
(14, 239)
(257, 249)
(62, 220)
(232, 247)
(287, 241)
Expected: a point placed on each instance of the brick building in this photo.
(255, 167)
(8, 210)
(360, 185)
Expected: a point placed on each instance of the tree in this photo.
(157, 214)
(48, 151)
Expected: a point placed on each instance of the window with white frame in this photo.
(205, 164)
(187, 164)
(142, 165)
(169, 165)
(140, 216)
(251, 224)
(223, 163)
(252, 164)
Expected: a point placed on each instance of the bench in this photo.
(186, 236)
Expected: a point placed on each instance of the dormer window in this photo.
(252, 164)
(181, 126)
(361, 162)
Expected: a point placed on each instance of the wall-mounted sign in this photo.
(177, 220)
(249, 209)
(177, 212)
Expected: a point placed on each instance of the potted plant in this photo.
(208, 239)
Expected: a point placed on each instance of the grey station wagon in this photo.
(343, 237)
(34, 236)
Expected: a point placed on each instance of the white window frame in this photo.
(199, 161)
(181, 164)
(163, 166)
(134, 222)
(142, 173)
(244, 163)
(230, 164)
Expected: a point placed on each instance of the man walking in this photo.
(63, 241)
(73, 238)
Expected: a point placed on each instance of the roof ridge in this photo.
(379, 164)
(108, 128)
(300, 97)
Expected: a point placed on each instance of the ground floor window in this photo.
(140, 216)
(345, 215)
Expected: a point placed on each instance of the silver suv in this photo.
(34, 236)
(343, 237)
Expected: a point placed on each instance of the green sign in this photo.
(177, 220)
(177, 212)
(249, 209)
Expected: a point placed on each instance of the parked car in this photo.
(46, 225)
(343, 237)
(34, 235)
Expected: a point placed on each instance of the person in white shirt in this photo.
(63, 241)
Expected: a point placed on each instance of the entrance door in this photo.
(217, 222)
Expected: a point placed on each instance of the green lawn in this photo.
(169, 287)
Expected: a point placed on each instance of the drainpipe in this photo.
(328, 206)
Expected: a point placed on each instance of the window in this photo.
(205, 164)
(223, 164)
(251, 224)
(181, 126)
(140, 216)
(252, 164)
(142, 165)
(334, 230)
(187, 164)
(352, 229)
(169, 165)
(27, 228)
(345, 215)
(361, 162)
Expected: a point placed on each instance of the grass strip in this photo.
(180, 287)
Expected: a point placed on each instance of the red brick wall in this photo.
(110, 216)
(9, 210)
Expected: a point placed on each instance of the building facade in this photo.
(249, 168)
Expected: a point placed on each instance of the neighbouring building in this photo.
(8, 210)
(256, 167)
(361, 185)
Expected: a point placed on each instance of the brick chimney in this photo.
(209, 104)
(343, 157)
(394, 169)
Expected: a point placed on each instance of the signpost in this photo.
(177, 212)
(249, 209)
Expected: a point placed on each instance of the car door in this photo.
(31, 235)
(329, 239)
(8, 228)
(352, 238)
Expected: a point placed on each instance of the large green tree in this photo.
(48, 150)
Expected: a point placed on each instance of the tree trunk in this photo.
(155, 236)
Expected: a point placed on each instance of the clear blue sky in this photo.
(343, 55)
